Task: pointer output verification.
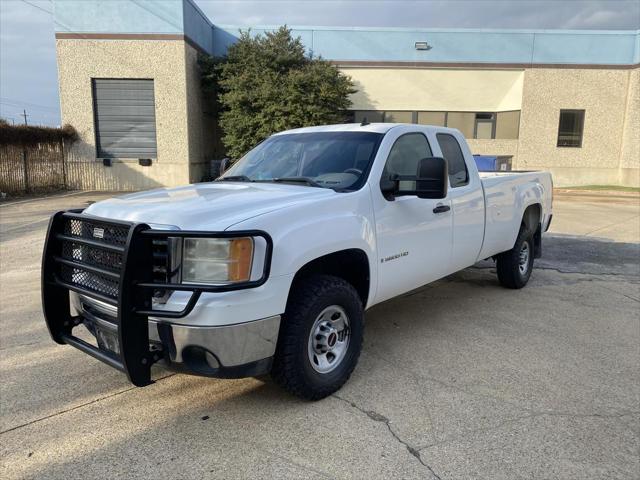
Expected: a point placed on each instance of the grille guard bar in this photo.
(135, 286)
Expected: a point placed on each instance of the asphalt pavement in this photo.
(461, 379)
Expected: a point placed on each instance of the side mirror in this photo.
(430, 181)
(432, 178)
(390, 186)
(225, 163)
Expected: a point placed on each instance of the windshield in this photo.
(338, 160)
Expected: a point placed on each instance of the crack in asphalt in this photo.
(526, 417)
(619, 293)
(530, 413)
(631, 277)
(633, 217)
(422, 376)
(290, 461)
(377, 417)
(22, 345)
(71, 409)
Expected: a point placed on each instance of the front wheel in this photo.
(515, 266)
(320, 337)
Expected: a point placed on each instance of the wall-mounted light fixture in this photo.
(422, 46)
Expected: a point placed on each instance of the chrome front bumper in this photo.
(229, 351)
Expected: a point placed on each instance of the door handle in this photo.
(441, 209)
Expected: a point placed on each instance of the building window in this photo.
(398, 117)
(125, 118)
(377, 116)
(371, 116)
(452, 153)
(485, 126)
(463, 121)
(570, 128)
(508, 125)
(481, 125)
(433, 118)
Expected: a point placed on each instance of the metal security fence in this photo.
(32, 168)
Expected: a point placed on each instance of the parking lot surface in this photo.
(460, 379)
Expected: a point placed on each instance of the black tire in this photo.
(292, 367)
(508, 263)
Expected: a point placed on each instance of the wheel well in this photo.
(531, 219)
(351, 265)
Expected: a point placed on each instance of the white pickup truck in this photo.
(271, 267)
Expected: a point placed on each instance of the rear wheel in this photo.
(320, 337)
(515, 266)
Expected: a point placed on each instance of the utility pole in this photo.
(25, 164)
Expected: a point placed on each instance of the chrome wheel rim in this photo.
(523, 262)
(329, 339)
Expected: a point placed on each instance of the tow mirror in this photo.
(389, 186)
(225, 163)
(432, 178)
(430, 181)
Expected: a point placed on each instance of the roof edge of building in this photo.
(479, 65)
(130, 36)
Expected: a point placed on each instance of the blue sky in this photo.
(28, 75)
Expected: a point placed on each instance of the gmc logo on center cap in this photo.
(98, 232)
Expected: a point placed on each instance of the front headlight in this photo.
(217, 260)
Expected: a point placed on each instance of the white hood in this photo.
(206, 206)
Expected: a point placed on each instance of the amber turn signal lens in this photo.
(240, 256)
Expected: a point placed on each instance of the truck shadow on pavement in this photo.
(587, 255)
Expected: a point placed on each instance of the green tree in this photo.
(267, 83)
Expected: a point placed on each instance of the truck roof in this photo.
(345, 127)
(358, 127)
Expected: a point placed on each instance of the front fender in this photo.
(304, 232)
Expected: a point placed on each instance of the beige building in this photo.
(181, 124)
(518, 113)
(566, 101)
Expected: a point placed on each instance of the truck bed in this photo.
(507, 194)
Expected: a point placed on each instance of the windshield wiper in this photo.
(244, 178)
(306, 180)
(234, 178)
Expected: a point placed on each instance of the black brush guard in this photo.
(112, 261)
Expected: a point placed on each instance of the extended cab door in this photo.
(413, 237)
(466, 196)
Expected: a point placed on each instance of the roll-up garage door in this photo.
(125, 118)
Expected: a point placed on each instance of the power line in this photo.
(16, 112)
(19, 108)
(144, 7)
(95, 42)
(19, 103)
(38, 7)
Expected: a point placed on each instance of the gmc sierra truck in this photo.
(269, 268)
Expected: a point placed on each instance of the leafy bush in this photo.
(25, 135)
(267, 83)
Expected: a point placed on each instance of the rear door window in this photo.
(452, 153)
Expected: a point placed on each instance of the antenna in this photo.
(364, 122)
